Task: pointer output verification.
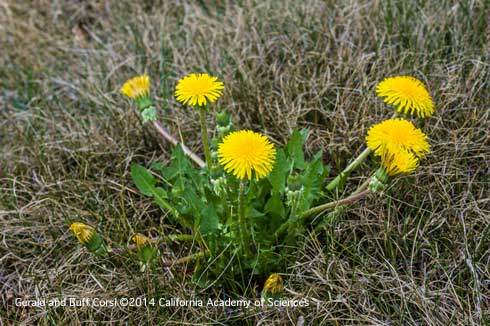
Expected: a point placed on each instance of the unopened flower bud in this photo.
(87, 236)
(219, 186)
(274, 284)
(293, 196)
(223, 119)
(145, 248)
(294, 182)
(149, 114)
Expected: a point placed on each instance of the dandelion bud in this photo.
(146, 251)
(293, 197)
(149, 114)
(274, 285)
(294, 182)
(222, 131)
(294, 190)
(141, 241)
(177, 190)
(219, 186)
(138, 89)
(223, 119)
(87, 236)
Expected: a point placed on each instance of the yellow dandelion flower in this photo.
(407, 94)
(244, 151)
(140, 240)
(274, 284)
(399, 162)
(397, 135)
(136, 87)
(198, 89)
(83, 232)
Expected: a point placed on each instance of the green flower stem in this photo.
(242, 222)
(339, 209)
(352, 166)
(356, 195)
(362, 187)
(204, 132)
(282, 229)
(186, 259)
(180, 237)
(349, 200)
(165, 134)
(347, 171)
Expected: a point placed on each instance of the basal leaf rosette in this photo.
(407, 94)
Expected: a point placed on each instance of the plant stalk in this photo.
(362, 187)
(187, 259)
(204, 133)
(339, 209)
(347, 171)
(242, 222)
(180, 237)
(358, 194)
(171, 139)
(349, 200)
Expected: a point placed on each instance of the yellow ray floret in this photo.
(198, 89)
(399, 144)
(243, 152)
(136, 87)
(82, 231)
(394, 135)
(399, 162)
(407, 94)
(141, 241)
(274, 284)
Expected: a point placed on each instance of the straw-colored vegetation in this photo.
(417, 255)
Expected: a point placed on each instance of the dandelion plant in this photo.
(248, 212)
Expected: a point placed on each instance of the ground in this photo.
(419, 255)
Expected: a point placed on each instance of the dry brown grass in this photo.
(417, 256)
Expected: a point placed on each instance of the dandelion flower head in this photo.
(399, 144)
(399, 162)
(136, 87)
(397, 134)
(408, 94)
(198, 89)
(243, 152)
